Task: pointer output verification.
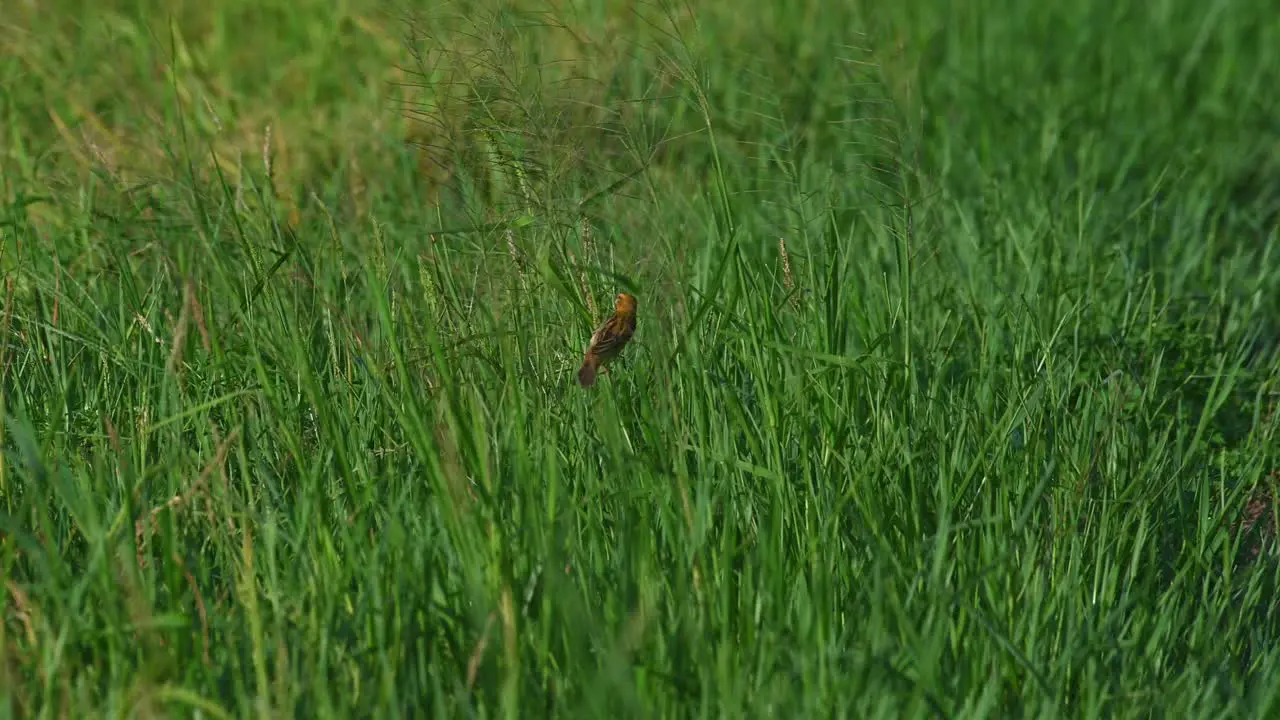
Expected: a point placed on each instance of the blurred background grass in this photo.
(953, 391)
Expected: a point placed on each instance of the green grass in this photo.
(953, 390)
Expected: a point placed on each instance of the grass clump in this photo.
(953, 391)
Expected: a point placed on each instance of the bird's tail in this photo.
(587, 373)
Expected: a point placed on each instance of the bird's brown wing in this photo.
(611, 336)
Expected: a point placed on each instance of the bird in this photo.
(608, 339)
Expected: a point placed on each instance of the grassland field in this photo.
(953, 391)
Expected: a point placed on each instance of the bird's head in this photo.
(624, 304)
